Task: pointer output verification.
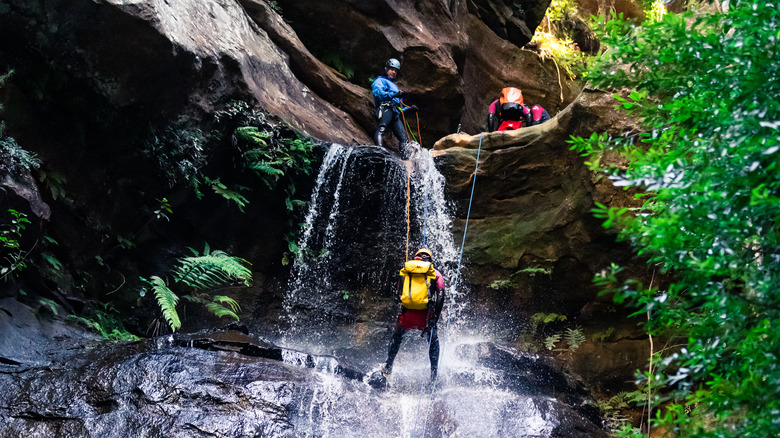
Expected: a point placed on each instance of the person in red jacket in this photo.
(508, 112)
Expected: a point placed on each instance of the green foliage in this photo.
(202, 273)
(574, 338)
(178, 152)
(335, 60)
(15, 160)
(559, 9)
(534, 271)
(50, 305)
(231, 195)
(554, 43)
(603, 336)
(219, 305)
(544, 318)
(211, 270)
(125, 242)
(705, 87)
(272, 162)
(10, 234)
(253, 136)
(52, 260)
(502, 285)
(106, 323)
(55, 181)
(166, 299)
(164, 210)
(550, 341)
(654, 9)
(612, 410)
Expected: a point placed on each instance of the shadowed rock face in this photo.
(167, 58)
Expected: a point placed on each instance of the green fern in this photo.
(267, 168)
(167, 301)
(256, 154)
(544, 318)
(230, 302)
(550, 341)
(212, 270)
(218, 305)
(227, 193)
(252, 134)
(217, 308)
(574, 338)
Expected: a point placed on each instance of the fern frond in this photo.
(574, 338)
(550, 341)
(252, 134)
(222, 299)
(220, 310)
(266, 168)
(256, 154)
(167, 301)
(194, 299)
(231, 195)
(212, 271)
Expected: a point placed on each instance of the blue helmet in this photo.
(393, 63)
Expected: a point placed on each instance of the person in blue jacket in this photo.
(388, 104)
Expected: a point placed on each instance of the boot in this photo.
(386, 370)
(378, 135)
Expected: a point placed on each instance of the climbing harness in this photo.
(452, 297)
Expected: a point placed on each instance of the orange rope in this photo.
(406, 125)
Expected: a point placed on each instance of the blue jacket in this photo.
(384, 91)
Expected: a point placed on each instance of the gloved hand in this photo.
(400, 93)
(412, 109)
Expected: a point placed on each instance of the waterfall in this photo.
(365, 205)
(341, 302)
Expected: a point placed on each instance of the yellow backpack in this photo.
(417, 275)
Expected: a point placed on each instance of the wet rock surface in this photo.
(230, 383)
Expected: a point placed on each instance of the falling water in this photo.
(353, 243)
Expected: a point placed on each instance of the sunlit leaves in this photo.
(705, 87)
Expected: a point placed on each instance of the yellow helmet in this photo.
(424, 251)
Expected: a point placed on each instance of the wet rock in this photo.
(22, 187)
(532, 199)
(225, 383)
(30, 338)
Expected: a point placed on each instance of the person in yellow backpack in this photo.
(421, 291)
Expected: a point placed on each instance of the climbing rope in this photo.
(408, 219)
(452, 295)
(425, 218)
(409, 129)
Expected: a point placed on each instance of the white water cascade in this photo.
(340, 306)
